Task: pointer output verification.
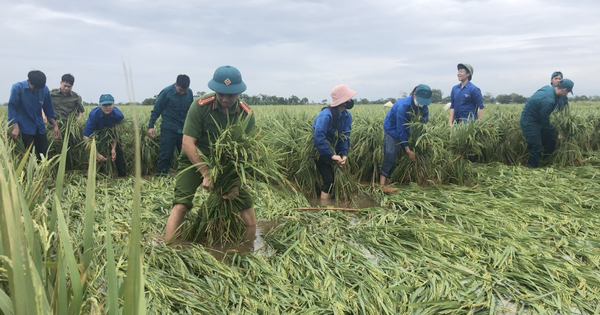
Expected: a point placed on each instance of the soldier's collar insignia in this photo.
(227, 81)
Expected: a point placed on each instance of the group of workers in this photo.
(333, 124)
(189, 124)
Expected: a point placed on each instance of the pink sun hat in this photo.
(340, 94)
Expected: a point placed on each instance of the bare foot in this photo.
(389, 190)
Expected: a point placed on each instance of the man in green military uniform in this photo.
(172, 104)
(204, 119)
(540, 135)
(66, 102)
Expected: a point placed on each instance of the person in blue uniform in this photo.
(332, 128)
(396, 132)
(539, 134)
(103, 116)
(27, 101)
(172, 104)
(466, 101)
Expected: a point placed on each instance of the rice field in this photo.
(458, 237)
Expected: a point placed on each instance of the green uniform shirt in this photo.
(203, 121)
(64, 105)
(205, 117)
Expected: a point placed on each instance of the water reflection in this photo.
(253, 242)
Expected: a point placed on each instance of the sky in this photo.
(379, 48)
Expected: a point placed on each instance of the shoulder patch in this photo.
(245, 107)
(206, 100)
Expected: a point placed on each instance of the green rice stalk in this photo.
(90, 207)
(61, 305)
(133, 296)
(6, 303)
(111, 270)
(23, 279)
(366, 145)
(218, 220)
(72, 267)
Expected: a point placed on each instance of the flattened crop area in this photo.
(516, 240)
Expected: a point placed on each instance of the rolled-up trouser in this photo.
(390, 151)
(40, 142)
(325, 168)
(169, 140)
(188, 180)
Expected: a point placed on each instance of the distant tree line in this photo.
(436, 97)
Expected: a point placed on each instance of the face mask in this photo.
(349, 104)
(417, 103)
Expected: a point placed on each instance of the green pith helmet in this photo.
(227, 80)
(466, 66)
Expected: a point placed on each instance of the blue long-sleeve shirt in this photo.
(399, 115)
(173, 108)
(465, 101)
(25, 108)
(324, 133)
(97, 120)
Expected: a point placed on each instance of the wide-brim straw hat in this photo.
(341, 94)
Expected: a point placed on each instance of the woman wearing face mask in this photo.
(332, 127)
(397, 132)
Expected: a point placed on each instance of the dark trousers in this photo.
(326, 170)
(169, 140)
(120, 161)
(40, 142)
(391, 147)
(541, 141)
(540, 145)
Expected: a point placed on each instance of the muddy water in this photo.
(253, 242)
(357, 203)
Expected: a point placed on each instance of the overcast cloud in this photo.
(380, 48)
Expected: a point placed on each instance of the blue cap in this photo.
(555, 73)
(423, 93)
(106, 99)
(566, 84)
(227, 80)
